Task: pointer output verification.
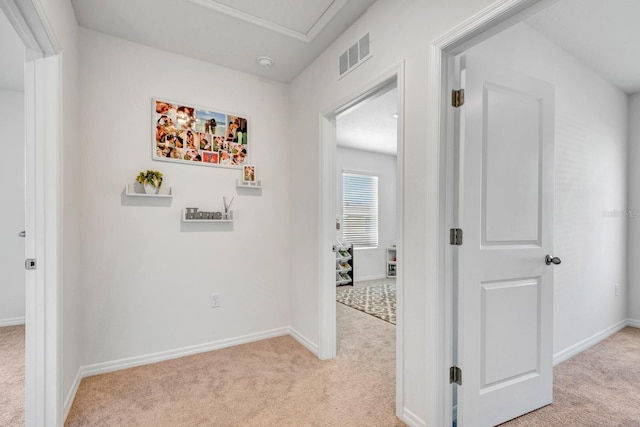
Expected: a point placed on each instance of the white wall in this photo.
(633, 303)
(371, 263)
(590, 181)
(148, 277)
(60, 15)
(12, 175)
(401, 31)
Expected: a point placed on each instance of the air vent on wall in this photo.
(355, 55)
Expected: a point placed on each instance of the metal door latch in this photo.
(552, 260)
(30, 264)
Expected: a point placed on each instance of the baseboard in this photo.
(72, 394)
(411, 419)
(589, 342)
(633, 323)
(377, 277)
(312, 347)
(116, 365)
(12, 321)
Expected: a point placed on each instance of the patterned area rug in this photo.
(377, 300)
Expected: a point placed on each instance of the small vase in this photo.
(150, 189)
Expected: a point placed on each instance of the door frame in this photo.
(327, 291)
(42, 93)
(441, 80)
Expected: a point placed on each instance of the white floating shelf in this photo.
(129, 192)
(184, 219)
(255, 185)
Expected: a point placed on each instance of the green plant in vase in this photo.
(150, 180)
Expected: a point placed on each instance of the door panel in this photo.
(511, 148)
(509, 306)
(506, 205)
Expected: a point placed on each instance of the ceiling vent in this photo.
(355, 55)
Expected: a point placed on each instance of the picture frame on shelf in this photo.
(249, 175)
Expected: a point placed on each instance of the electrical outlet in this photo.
(214, 300)
(617, 289)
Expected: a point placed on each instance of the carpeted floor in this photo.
(12, 376)
(275, 382)
(231, 387)
(599, 387)
(377, 299)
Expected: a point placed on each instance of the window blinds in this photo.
(360, 209)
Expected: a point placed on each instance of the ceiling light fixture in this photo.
(265, 62)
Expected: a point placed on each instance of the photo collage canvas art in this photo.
(194, 135)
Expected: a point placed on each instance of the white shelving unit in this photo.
(391, 261)
(184, 219)
(255, 185)
(344, 265)
(129, 191)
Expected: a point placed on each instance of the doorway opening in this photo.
(366, 208)
(12, 226)
(354, 169)
(41, 72)
(590, 179)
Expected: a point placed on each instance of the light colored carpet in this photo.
(274, 382)
(376, 300)
(12, 376)
(598, 387)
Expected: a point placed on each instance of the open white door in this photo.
(505, 287)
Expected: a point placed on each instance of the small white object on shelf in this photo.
(130, 191)
(255, 184)
(391, 261)
(184, 218)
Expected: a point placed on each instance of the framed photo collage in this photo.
(198, 136)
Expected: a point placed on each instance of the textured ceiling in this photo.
(371, 126)
(232, 33)
(296, 15)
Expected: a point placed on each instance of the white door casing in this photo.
(505, 311)
(42, 91)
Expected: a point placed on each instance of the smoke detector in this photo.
(265, 62)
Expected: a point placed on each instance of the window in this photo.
(360, 209)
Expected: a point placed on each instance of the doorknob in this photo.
(552, 260)
(22, 234)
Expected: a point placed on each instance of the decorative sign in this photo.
(198, 136)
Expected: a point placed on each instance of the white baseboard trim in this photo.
(411, 419)
(12, 321)
(130, 362)
(376, 277)
(306, 343)
(633, 323)
(586, 343)
(72, 394)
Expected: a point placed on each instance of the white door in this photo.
(506, 212)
